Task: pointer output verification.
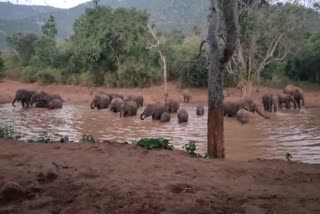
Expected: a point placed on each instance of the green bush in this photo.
(12, 65)
(44, 137)
(154, 143)
(28, 74)
(86, 79)
(87, 139)
(8, 132)
(49, 76)
(138, 74)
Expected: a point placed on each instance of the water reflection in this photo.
(297, 132)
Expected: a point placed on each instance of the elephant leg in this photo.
(23, 104)
(298, 102)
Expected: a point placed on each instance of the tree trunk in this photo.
(218, 61)
(215, 88)
(246, 88)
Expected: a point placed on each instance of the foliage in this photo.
(8, 132)
(64, 139)
(49, 76)
(23, 45)
(87, 139)
(154, 143)
(305, 65)
(268, 33)
(191, 149)
(28, 74)
(44, 138)
(49, 28)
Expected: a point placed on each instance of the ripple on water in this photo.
(291, 131)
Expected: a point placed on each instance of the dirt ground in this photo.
(117, 178)
(84, 94)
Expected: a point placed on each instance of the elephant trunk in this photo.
(142, 117)
(92, 106)
(14, 102)
(262, 115)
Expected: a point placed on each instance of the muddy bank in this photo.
(118, 178)
(84, 94)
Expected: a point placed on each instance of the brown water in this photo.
(297, 132)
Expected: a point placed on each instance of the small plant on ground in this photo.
(8, 132)
(154, 143)
(288, 157)
(42, 138)
(191, 148)
(88, 139)
(64, 139)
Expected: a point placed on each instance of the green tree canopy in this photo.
(49, 28)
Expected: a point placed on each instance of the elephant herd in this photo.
(236, 107)
(41, 99)
(129, 107)
(291, 95)
(239, 106)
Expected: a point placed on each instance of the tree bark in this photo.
(218, 61)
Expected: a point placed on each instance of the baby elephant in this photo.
(115, 105)
(172, 106)
(55, 103)
(186, 97)
(242, 116)
(24, 96)
(165, 117)
(183, 116)
(200, 110)
(128, 108)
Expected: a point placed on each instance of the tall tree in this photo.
(23, 44)
(219, 57)
(49, 28)
(268, 34)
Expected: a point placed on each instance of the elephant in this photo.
(270, 102)
(24, 96)
(182, 115)
(187, 97)
(242, 116)
(128, 108)
(115, 105)
(296, 92)
(138, 99)
(155, 110)
(287, 99)
(100, 101)
(232, 105)
(55, 103)
(42, 99)
(172, 106)
(200, 110)
(165, 117)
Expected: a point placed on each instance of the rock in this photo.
(12, 191)
(48, 176)
(32, 189)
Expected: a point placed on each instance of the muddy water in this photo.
(297, 132)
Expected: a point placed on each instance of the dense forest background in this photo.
(114, 45)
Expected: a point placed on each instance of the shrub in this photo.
(88, 139)
(154, 143)
(28, 74)
(138, 74)
(42, 138)
(49, 76)
(8, 132)
(86, 79)
(12, 64)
